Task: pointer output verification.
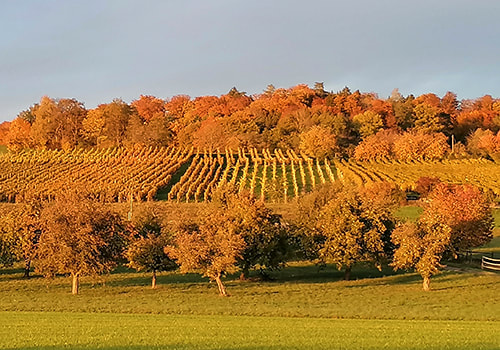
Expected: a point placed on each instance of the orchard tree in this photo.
(21, 229)
(8, 239)
(420, 249)
(353, 232)
(466, 210)
(79, 237)
(146, 250)
(457, 218)
(344, 226)
(211, 247)
(266, 237)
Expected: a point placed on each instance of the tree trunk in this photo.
(244, 274)
(27, 267)
(153, 282)
(347, 274)
(76, 283)
(222, 288)
(426, 284)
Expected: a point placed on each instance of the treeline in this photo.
(336, 224)
(305, 119)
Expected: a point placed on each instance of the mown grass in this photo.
(122, 331)
(301, 290)
(303, 307)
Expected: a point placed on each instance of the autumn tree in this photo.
(8, 239)
(149, 107)
(484, 143)
(21, 229)
(210, 135)
(367, 123)
(19, 135)
(420, 249)
(379, 146)
(425, 184)
(4, 130)
(79, 237)
(149, 237)
(210, 247)
(457, 218)
(318, 142)
(345, 227)
(57, 123)
(106, 125)
(413, 146)
(466, 210)
(265, 236)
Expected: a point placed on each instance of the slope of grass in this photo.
(303, 307)
(121, 331)
(301, 290)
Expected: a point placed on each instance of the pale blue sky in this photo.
(95, 51)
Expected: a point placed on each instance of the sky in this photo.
(98, 50)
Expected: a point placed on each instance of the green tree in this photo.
(266, 238)
(146, 251)
(353, 231)
(367, 123)
(21, 229)
(430, 119)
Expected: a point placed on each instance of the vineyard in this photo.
(479, 172)
(182, 175)
(189, 175)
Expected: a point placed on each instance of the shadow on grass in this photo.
(17, 274)
(11, 271)
(324, 274)
(307, 273)
(133, 279)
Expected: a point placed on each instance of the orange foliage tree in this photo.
(79, 237)
(19, 135)
(420, 146)
(377, 147)
(211, 247)
(318, 142)
(149, 107)
(457, 218)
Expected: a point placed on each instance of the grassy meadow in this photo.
(34, 330)
(302, 307)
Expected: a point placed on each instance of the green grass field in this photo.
(304, 307)
(124, 331)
